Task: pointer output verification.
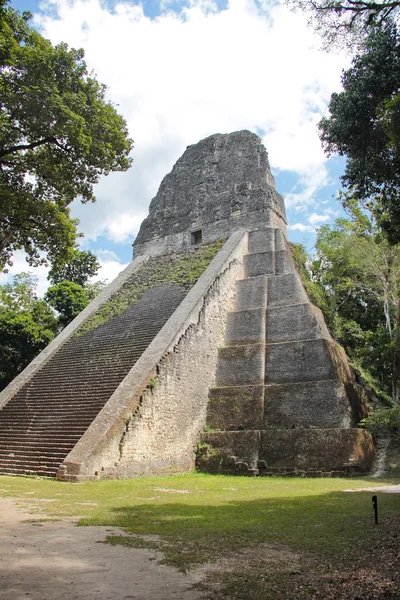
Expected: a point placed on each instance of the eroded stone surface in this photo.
(220, 185)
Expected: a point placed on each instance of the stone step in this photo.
(28, 460)
(41, 407)
(66, 380)
(21, 472)
(251, 293)
(296, 322)
(262, 263)
(31, 448)
(261, 241)
(324, 450)
(65, 396)
(236, 407)
(229, 452)
(306, 360)
(241, 365)
(51, 429)
(309, 404)
(268, 263)
(318, 452)
(245, 327)
(286, 289)
(29, 440)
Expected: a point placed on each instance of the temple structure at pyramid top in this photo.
(221, 185)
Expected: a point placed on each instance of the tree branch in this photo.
(32, 146)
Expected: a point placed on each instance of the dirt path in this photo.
(55, 560)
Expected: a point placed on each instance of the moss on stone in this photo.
(181, 269)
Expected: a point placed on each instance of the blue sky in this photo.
(182, 70)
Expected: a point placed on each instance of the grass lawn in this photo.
(273, 537)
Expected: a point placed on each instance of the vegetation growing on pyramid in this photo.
(180, 269)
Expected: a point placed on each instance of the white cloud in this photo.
(110, 267)
(180, 77)
(123, 226)
(308, 184)
(20, 265)
(301, 227)
(109, 270)
(106, 255)
(316, 219)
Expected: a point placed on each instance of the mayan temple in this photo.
(205, 350)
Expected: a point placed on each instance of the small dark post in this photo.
(375, 503)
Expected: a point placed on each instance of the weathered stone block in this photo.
(310, 404)
(251, 293)
(295, 322)
(245, 327)
(307, 360)
(283, 262)
(240, 365)
(262, 263)
(285, 289)
(324, 450)
(229, 452)
(261, 241)
(280, 240)
(239, 407)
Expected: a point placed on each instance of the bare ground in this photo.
(55, 560)
(43, 559)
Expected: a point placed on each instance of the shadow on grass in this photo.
(326, 524)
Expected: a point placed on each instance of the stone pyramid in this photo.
(207, 338)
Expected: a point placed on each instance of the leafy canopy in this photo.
(82, 266)
(58, 135)
(364, 125)
(346, 22)
(359, 273)
(27, 325)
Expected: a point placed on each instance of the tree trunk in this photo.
(396, 359)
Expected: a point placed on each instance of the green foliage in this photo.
(27, 325)
(68, 299)
(80, 268)
(314, 290)
(383, 419)
(152, 383)
(364, 126)
(359, 273)
(58, 134)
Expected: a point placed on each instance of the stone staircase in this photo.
(285, 399)
(41, 424)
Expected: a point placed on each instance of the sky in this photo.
(180, 70)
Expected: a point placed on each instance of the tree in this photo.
(27, 325)
(359, 272)
(364, 126)
(346, 22)
(68, 299)
(58, 135)
(79, 269)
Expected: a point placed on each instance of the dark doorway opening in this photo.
(197, 237)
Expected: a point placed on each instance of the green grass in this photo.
(199, 517)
